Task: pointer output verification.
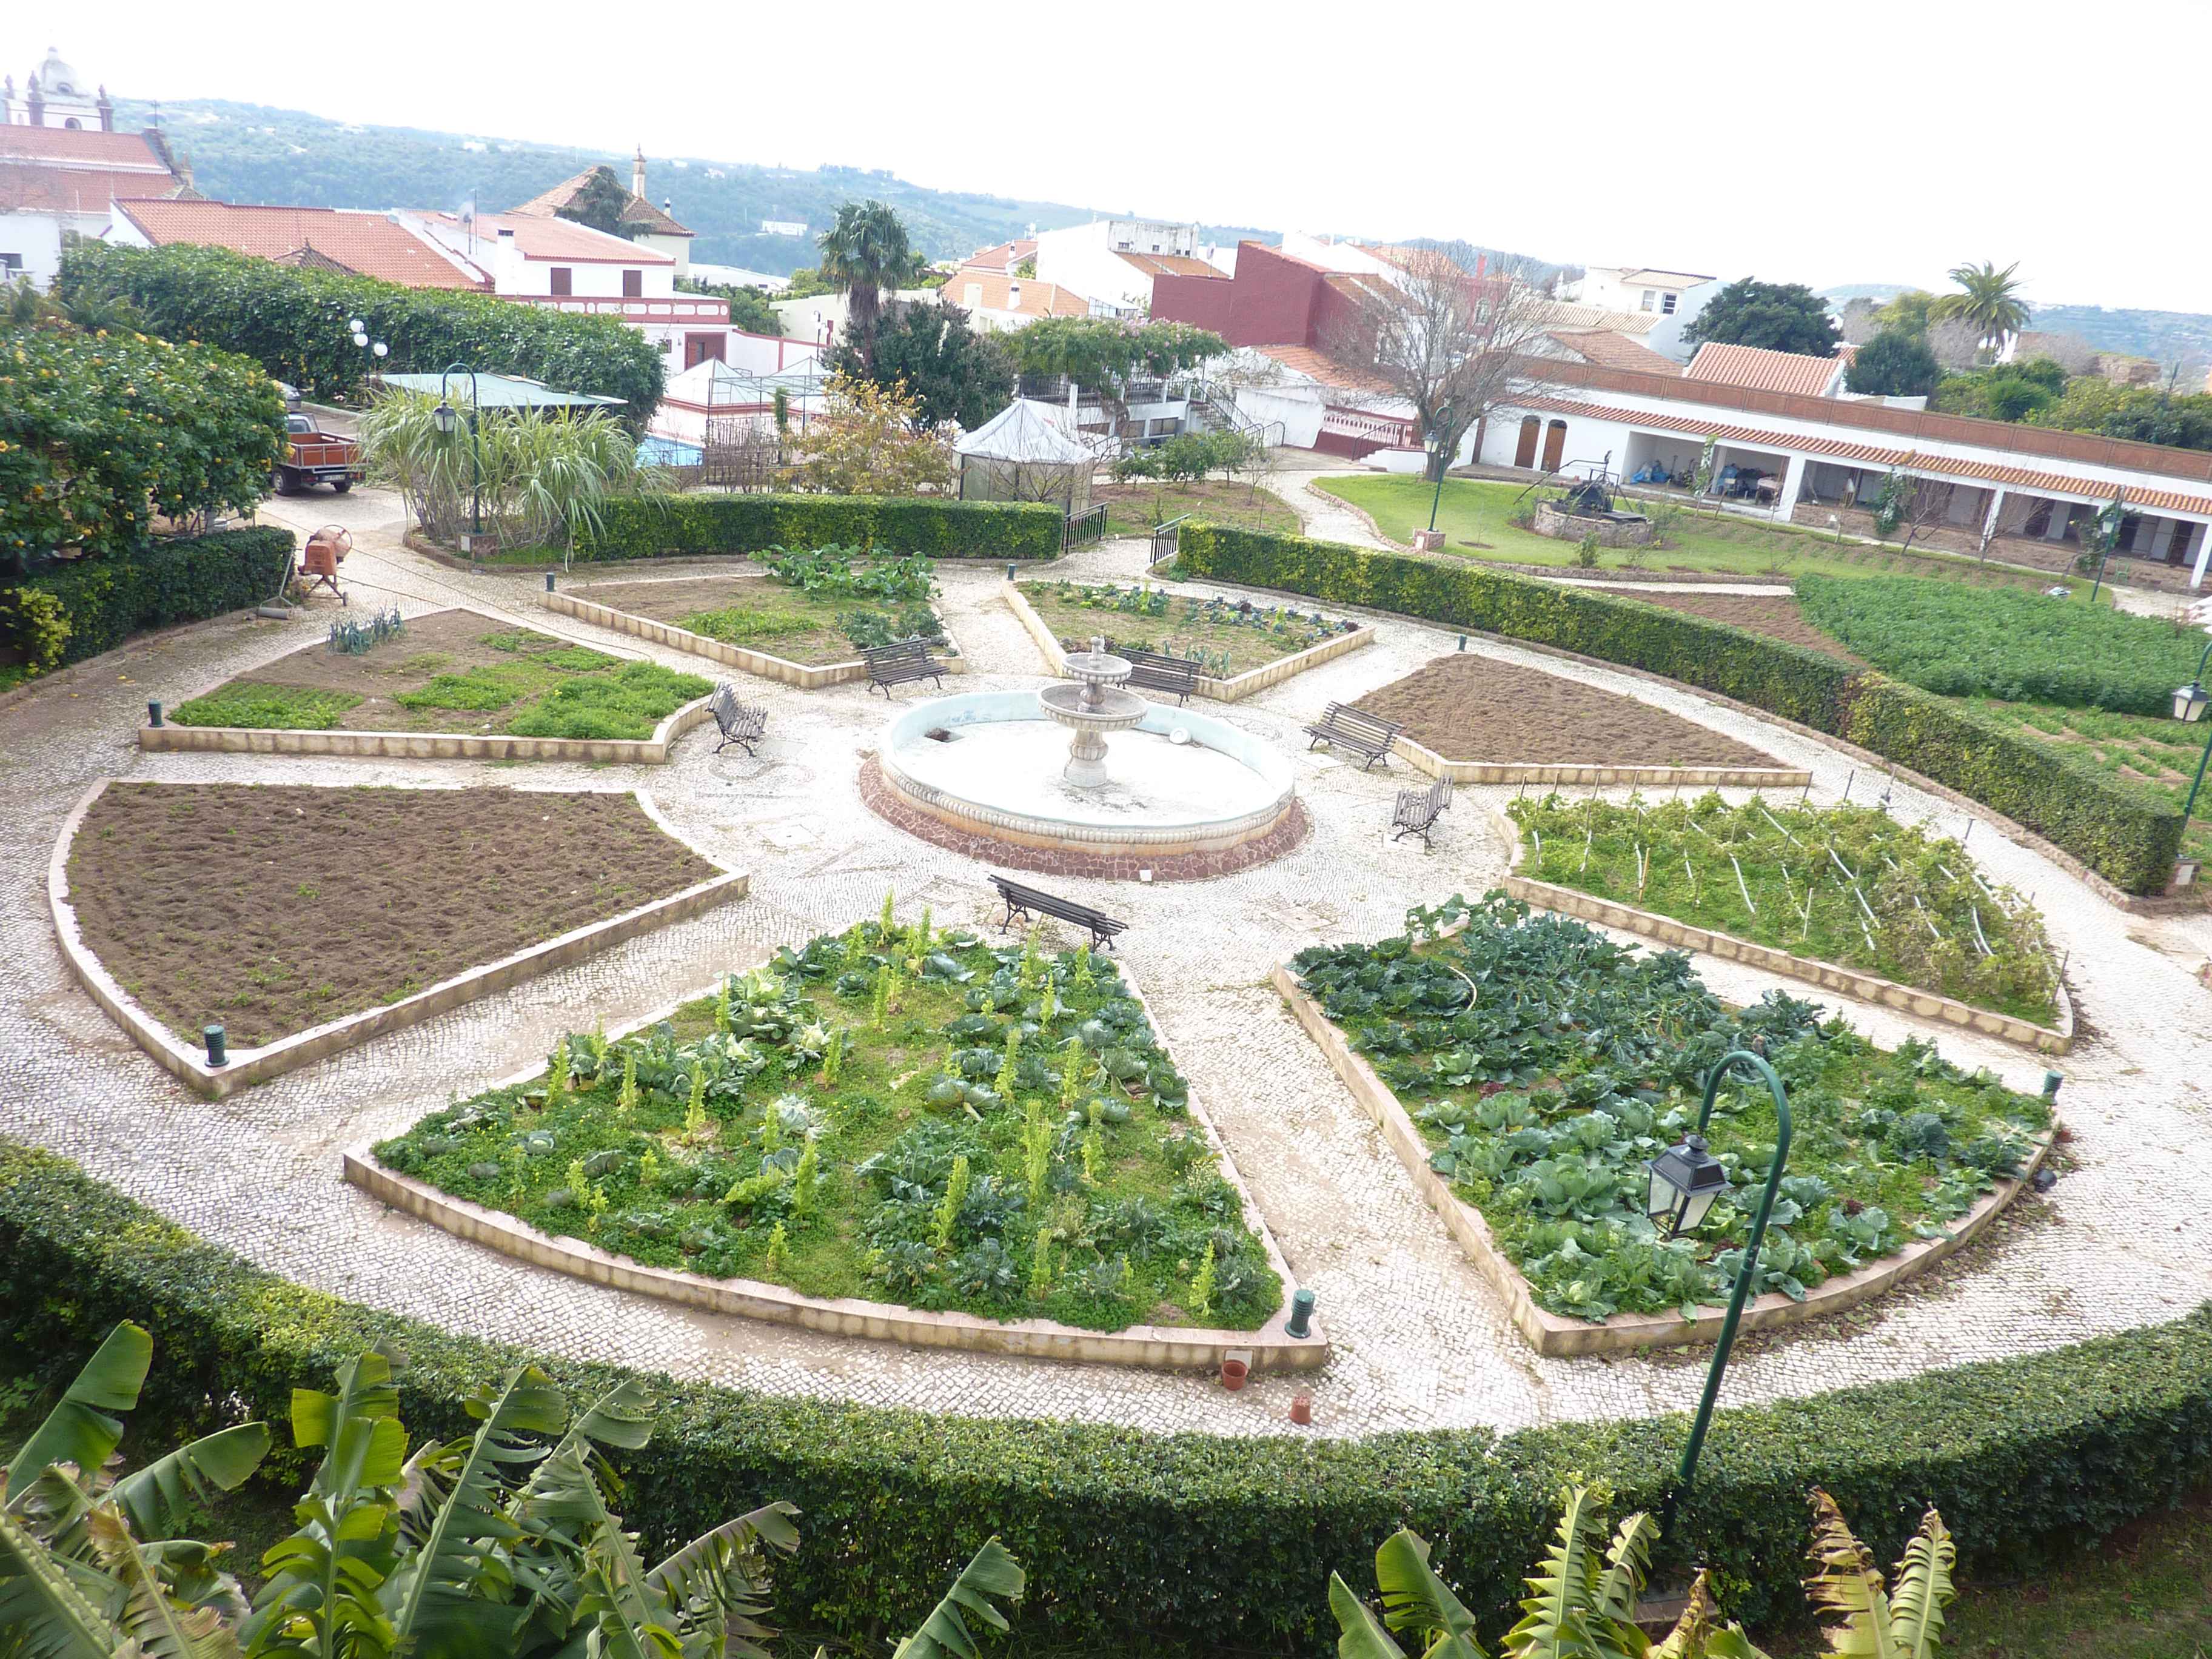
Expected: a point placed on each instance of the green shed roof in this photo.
(503, 392)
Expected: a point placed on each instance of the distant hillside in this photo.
(2171, 337)
(249, 152)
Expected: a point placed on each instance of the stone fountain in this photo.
(1093, 705)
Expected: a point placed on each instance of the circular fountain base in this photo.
(998, 772)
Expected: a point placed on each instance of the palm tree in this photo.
(865, 253)
(1989, 300)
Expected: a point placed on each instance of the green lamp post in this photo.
(2108, 535)
(1684, 1181)
(447, 423)
(1440, 449)
(2189, 703)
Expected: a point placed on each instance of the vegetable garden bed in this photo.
(1527, 1115)
(888, 1114)
(1227, 637)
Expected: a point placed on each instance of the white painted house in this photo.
(1637, 288)
(1113, 262)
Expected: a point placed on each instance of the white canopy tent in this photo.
(1023, 454)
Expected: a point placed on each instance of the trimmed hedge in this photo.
(1130, 1537)
(105, 600)
(2127, 834)
(650, 526)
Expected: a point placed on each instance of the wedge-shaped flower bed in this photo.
(1845, 884)
(1225, 637)
(888, 1114)
(1541, 1066)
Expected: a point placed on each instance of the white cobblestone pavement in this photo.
(1421, 1341)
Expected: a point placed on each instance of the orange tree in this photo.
(867, 444)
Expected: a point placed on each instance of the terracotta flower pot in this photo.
(1302, 1408)
(1233, 1373)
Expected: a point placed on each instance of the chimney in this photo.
(1013, 296)
(637, 173)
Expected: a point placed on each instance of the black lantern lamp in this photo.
(446, 420)
(1685, 1179)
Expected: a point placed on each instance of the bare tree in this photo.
(1454, 345)
(2009, 520)
(1954, 345)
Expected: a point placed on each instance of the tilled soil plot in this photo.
(269, 909)
(1470, 707)
(1774, 614)
(785, 623)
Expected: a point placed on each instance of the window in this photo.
(1667, 304)
(1649, 297)
(633, 284)
(562, 280)
(11, 262)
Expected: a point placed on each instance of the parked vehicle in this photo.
(314, 457)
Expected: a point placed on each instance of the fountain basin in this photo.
(997, 771)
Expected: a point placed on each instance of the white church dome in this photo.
(57, 75)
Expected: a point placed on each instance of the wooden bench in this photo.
(895, 664)
(1029, 901)
(1342, 727)
(741, 723)
(1150, 671)
(1419, 809)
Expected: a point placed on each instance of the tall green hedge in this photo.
(2128, 835)
(105, 600)
(292, 321)
(1216, 1542)
(644, 527)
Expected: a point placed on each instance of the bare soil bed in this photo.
(753, 611)
(1470, 707)
(1776, 615)
(270, 908)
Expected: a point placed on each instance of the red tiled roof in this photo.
(995, 293)
(1844, 449)
(1320, 366)
(637, 212)
(27, 188)
(1599, 345)
(1766, 371)
(73, 147)
(562, 240)
(366, 243)
(1170, 264)
(1003, 257)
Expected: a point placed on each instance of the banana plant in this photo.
(1701, 1633)
(991, 1571)
(1873, 1620)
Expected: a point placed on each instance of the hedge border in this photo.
(1128, 1535)
(185, 579)
(669, 526)
(2129, 836)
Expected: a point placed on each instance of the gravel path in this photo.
(1421, 1342)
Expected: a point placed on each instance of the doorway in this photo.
(1555, 445)
(1524, 453)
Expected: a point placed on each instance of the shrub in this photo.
(1220, 1541)
(292, 321)
(2001, 643)
(103, 601)
(644, 527)
(96, 428)
(2129, 836)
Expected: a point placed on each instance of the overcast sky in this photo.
(1876, 142)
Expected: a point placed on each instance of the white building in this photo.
(649, 227)
(1113, 262)
(1636, 288)
(55, 96)
(56, 182)
(998, 305)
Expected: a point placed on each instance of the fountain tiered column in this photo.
(1093, 705)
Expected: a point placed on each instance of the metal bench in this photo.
(1150, 670)
(895, 664)
(1419, 809)
(1029, 901)
(1342, 727)
(741, 723)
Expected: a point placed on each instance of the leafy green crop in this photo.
(1847, 884)
(1546, 1066)
(2001, 643)
(900, 1171)
(266, 708)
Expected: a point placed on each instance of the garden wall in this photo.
(654, 527)
(105, 600)
(2129, 836)
(1216, 1542)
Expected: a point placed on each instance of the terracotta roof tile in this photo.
(1767, 371)
(1321, 366)
(1171, 264)
(637, 212)
(27, 188)
(993, 292)
(71, 146)
(557, 239)
(367, 243)
(1600, 346)
(1002, 257)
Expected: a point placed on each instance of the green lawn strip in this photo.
(813, 1130)
(265, 708)
(1481, 510)
(2012, 645)
(1799, 866)
(1580, 1060)
(1229, 636)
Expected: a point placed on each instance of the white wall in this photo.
(35, 241)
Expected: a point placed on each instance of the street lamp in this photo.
(1685, 1179)
(374, 350)
(1440, 459)
(2108, 535)
(444, 416)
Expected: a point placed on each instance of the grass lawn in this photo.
(1475, 514)
(1228, 639)
(1133, 509)
(920, 1119)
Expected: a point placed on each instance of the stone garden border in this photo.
(1829, 975)
(248, 1066)
(807, 677)
(1170, 1347)
(1236, 689)
(1422, 758)
(1559, 1335)
(420, 745)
